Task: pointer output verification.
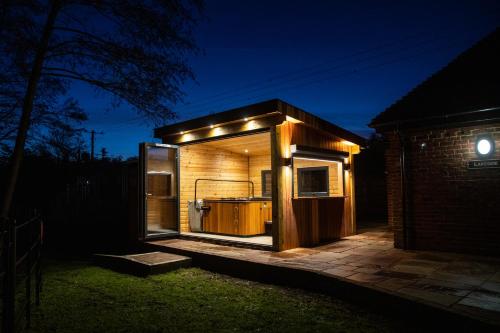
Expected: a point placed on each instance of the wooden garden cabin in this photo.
(267, 174)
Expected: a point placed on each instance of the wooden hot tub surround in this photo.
(238, 217)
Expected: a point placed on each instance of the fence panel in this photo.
(21, 245)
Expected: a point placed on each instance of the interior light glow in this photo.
(246, 150)
(315, 159)
(484, 146)
(246, 119)
(348, 143)
(293, 120)
(217, 131)
(187, 137)
(251, 125)
(211, 126)
(182, 132)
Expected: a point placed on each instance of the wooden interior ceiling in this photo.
(255, 144)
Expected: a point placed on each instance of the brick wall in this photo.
(451, 208)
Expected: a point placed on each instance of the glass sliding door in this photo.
(160, 189)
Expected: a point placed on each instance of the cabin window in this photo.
(315, 177)
(313, 182)
(266, 183)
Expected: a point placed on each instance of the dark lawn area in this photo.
(79, 297)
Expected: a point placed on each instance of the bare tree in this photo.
(134, 50)
(48, 118)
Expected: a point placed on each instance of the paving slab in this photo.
(366, 278)
(480, 304)
(339, 272)
(430, 296)
(491, 286)
(394, 284)
(444, 287)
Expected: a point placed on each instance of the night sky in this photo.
(344, 61)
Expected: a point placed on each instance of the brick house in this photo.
(442, 157)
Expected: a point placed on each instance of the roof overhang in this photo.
(256, 117)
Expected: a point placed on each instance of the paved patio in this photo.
(463, 284)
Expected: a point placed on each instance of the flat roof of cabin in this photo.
(273, 106)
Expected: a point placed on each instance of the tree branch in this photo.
(80, 32)
(79, 77)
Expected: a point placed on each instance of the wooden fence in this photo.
(21, 262)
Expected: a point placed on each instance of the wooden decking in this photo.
(143, 264)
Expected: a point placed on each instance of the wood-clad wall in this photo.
(323, 217)
(203, 161)
(293, 225)
(256, 165)
(335, 186)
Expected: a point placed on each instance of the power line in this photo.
(343, 74)
(300, 83)
(327, 74)
(318, 69)
(296, 76)
(316, 73)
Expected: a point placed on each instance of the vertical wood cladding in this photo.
(451, 207)
(255, 167)
(297, 227)
(202, 161)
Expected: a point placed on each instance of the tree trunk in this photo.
(29, 97)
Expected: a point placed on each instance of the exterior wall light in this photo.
(485, 146)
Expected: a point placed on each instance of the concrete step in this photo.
(143, 264)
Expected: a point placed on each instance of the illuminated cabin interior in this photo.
(268, 175)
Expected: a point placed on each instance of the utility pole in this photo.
(92, 143)
(104, 153)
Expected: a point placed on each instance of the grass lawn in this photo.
(78, 297)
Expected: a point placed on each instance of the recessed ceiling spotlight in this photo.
(182, 132)
(211, 126)
(246, 119)
(246, 150)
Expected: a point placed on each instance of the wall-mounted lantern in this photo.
(485, 146)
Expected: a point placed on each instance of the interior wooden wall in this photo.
(290, 223)
(161, 213)
(160, 162)
(256, 165)
(336, 187)
(203, 161)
